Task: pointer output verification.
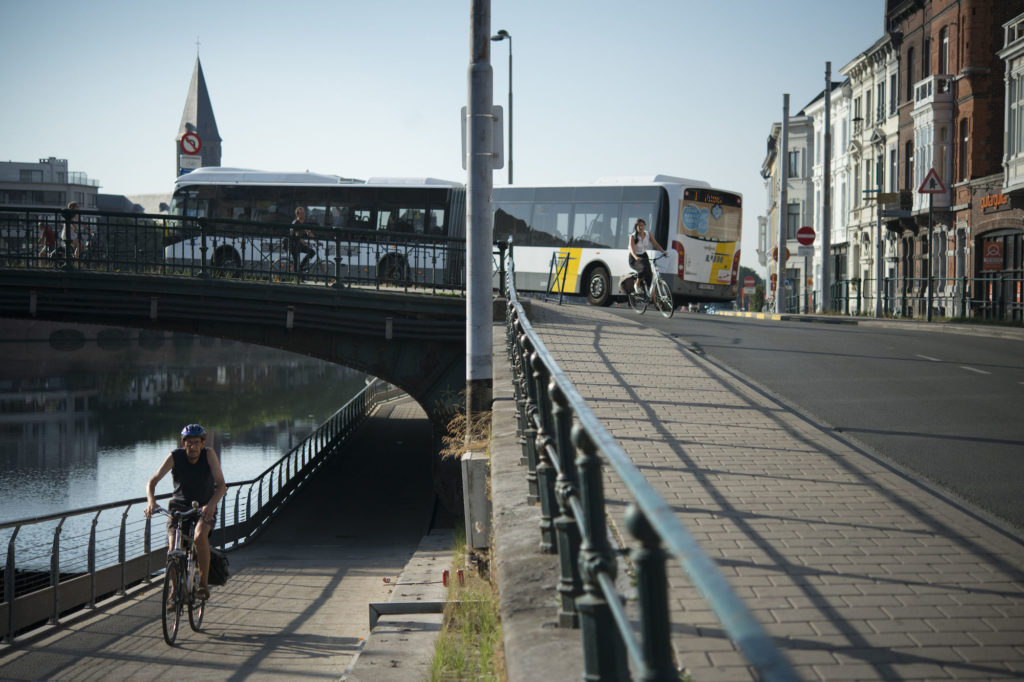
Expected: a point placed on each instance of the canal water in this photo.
(88, 413)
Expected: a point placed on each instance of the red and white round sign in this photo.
(190, 143)
(805, 235)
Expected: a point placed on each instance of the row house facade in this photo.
(942, 91)
(952, 121)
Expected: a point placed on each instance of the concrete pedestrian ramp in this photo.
(296, 605)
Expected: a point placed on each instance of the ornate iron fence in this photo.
(75, 558)
(565, 447)
(186, 246)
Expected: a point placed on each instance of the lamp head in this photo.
(501, 35)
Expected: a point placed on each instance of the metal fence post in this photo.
(652, 594)
(604, 654)
(92, 561)
(55, 572)
(570, 586)
(9, 587)
(529, 432)
(545, 469)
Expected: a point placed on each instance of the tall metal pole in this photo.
(826, 203)
(929, 250)
(878, 235)
(780, 277)
(479, 377)
(497, 37)
(509, 107)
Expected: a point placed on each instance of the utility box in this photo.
(476, 466)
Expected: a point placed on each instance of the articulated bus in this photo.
(401, 230)
(574, 240)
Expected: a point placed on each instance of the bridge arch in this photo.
(415, 341)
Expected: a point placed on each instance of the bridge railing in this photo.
(188, 246)
(60, 563)
(565, 447)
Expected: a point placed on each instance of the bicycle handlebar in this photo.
(181, 515)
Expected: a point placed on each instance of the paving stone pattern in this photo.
(856, 571)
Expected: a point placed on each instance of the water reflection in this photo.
(88, 413)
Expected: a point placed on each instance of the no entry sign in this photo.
(805, 235)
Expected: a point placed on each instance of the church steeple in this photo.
(198, 119)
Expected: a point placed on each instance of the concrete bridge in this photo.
(413, 340)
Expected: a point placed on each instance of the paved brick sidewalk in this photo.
(856, 571)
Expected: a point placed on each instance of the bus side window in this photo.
(512, 220)
(436, 224)
(550, 225)
(315, 215)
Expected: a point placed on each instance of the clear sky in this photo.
(372, 88)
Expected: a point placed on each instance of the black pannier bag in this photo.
(218, 567)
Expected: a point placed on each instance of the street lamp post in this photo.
(499, 36)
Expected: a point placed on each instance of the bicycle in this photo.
(657, 292)
(282, 269)
(181, 576)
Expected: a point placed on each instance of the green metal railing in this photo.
(565, 447)
(185, 246)
(70, 560)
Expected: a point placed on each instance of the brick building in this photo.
(951, 119)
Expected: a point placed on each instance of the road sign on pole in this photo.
(932, 184)
(805, 235)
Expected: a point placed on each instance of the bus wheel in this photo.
(227, 263)
(392, 270)
(599, 287)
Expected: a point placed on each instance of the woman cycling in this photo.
(640, 240)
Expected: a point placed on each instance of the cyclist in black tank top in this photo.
(197, 477)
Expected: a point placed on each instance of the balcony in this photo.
(933, 90)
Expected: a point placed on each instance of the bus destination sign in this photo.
(707, 196)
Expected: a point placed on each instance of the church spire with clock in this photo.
(198, 142)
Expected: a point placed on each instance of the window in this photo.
(908, 166)
(28, 175)
(792, 220)
(881, 102)
(867, 108)
(926, 56)
(944, 50)
(893, 170)
(856, 187)
(793, 168)
(910, 75)
(963, 150)
(893, 94)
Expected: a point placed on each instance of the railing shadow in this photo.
(565, 446)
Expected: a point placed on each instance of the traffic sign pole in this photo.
(780, 291)
(931, 198)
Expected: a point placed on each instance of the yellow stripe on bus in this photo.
(567, 268)
(723, 261)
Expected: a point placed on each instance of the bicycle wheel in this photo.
(281, 270)
(663, 299)
(171, 611)
(637, 302)
(196, 606)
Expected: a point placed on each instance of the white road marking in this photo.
(972, 369)
(929, 358)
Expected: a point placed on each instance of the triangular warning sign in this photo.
(931, 184)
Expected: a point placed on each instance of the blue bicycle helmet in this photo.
(193, 430)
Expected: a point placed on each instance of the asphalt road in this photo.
(947, 408)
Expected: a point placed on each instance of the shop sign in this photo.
(990, 203)
(992, 256)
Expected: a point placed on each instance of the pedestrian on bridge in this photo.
(197, 477)
(299, 245)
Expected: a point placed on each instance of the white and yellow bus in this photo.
(574, 239)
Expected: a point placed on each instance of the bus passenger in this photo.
(639, 241)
